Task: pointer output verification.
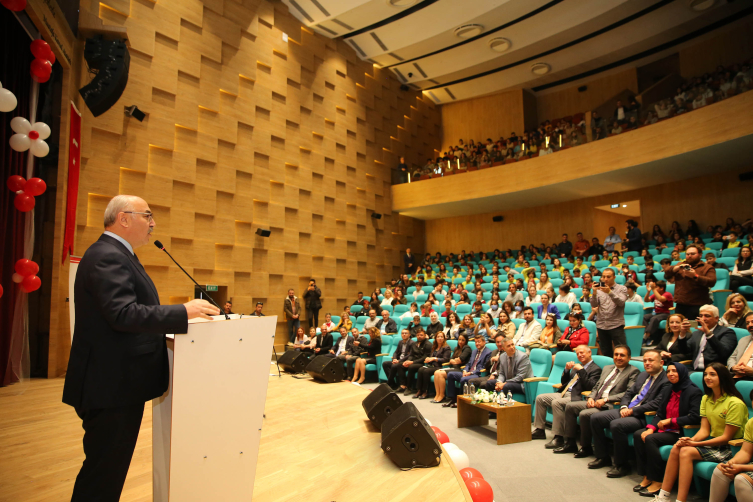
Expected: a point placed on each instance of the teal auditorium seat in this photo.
(634, 326)
(400, 309)
(546, 385)
(354, 309)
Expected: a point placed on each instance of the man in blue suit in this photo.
(472, 370)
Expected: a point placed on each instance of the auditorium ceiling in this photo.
(459, 49)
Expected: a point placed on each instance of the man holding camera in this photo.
(693, 280)
(610, 299)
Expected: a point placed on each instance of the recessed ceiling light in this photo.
(468, 30)
(701, 5)
(499, 44)
(540, 68)
(401, 3)
(624, 205)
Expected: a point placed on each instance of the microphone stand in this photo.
(227, 317)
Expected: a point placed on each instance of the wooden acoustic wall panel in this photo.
(247, 131)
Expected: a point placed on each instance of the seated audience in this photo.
(680, 407)
(632, 296)
(434, 326)
(355, 351)
(505, 326)
(742, 274)
(371, 348)
(513, 295)
(513, 366)
(492, 364)
(452, 328)
(738, 470)
(712, 342)
(440, 354)
(529, 331)
(663, 301)
(575, 334)
(576, 378)
(723, 416)
(615, 379)
(549, 336)
(546, 308)
(301, 340)
(344, 320)
(394, 369)
(736, 309)
(343, 347)
(472, 369)
(460, 357)
(386, 325)
(674, 343)
(646, 394)
(417, 353)
(740, 363)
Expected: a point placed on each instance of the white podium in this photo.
(207, 426)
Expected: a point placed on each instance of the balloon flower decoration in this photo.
(26, 275)
(25, 191)
(30, 137)
(479, 489)
(14, 5)
(41, 67)
(8, 100)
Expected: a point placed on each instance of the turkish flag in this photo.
(74, 159)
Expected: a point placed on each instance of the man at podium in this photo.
(118, 357)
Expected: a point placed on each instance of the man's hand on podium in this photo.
(201, 308)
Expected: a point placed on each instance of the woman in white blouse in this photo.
(533, 296)
(387, 301)
(543, 282)
(409, 314)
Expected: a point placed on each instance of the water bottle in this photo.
(465, 389)
(473, 389)
(509, 398)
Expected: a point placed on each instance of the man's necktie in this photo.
(475, 361)
(606, 385)
(637, 399)
(570, 385)
(698, 363)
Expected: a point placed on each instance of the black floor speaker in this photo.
(293, 361)
(327, 369)
(380, 404)
(408, 440)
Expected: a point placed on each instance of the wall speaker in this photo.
(110, 61)
(376, 216)
(293, 361)
(326, 369)
(497, 219)
(263, 233)
(583, 88)
(408, 440)
(133, 111)
(746, 176)
(380, 404)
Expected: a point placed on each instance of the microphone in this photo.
(160, 246)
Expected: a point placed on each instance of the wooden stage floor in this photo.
(316, 445)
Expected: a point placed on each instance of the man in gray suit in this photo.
(576, 378)
(740, 363)
(513, 367)
(615, 380)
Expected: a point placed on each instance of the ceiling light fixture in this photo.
(468, 30)
(401, 3)
(540, 68)
(499, 44)
(701, 5)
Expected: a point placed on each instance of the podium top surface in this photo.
(317, 441)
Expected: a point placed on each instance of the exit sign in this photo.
(211, 287)
(615, 206)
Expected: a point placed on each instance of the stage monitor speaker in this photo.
(327, 369)
(408, 440)
(262, 232)
(293, 361)
(380, 404)
(110, 60)
(746, 176)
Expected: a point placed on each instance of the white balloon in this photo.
(39, 148)
(8, 101)
(20, 125)
(17, 278)
(43, 130)
(20, 142)
(459, 458)
(450, 446)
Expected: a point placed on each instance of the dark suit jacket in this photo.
(118, 355)
(399, 350)
(409, 262)
(653, 399)
(432, 329)
(419, 351)
(348, 346)
(690, 407)
(625, 379)
(482, 360)
(718, 348)
(587, 378)
(679, 349)
(464, 356)
(633, 239)
(391, 325)
(324, 341)
(442, 355)
(287, 306)
(312, 298)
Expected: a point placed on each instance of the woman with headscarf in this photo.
(679, 408)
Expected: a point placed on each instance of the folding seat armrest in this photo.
(536, 379)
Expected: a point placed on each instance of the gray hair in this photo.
(117, 204)
(711, 309)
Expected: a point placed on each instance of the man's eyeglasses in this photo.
(149, 216)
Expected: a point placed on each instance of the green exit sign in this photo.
(210, 287)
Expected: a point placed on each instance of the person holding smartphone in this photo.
(693, 278)
(609, 297)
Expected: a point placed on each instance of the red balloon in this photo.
(14, 5)
(26, 267)
(35, 186)
(441, 436)
(16, 183)
(32, 283)
(41, 68)
(40, 48)
(1, 290)
(41, 80)
(24, 202)
(470, 473)
(51, 57)
(480, 490)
